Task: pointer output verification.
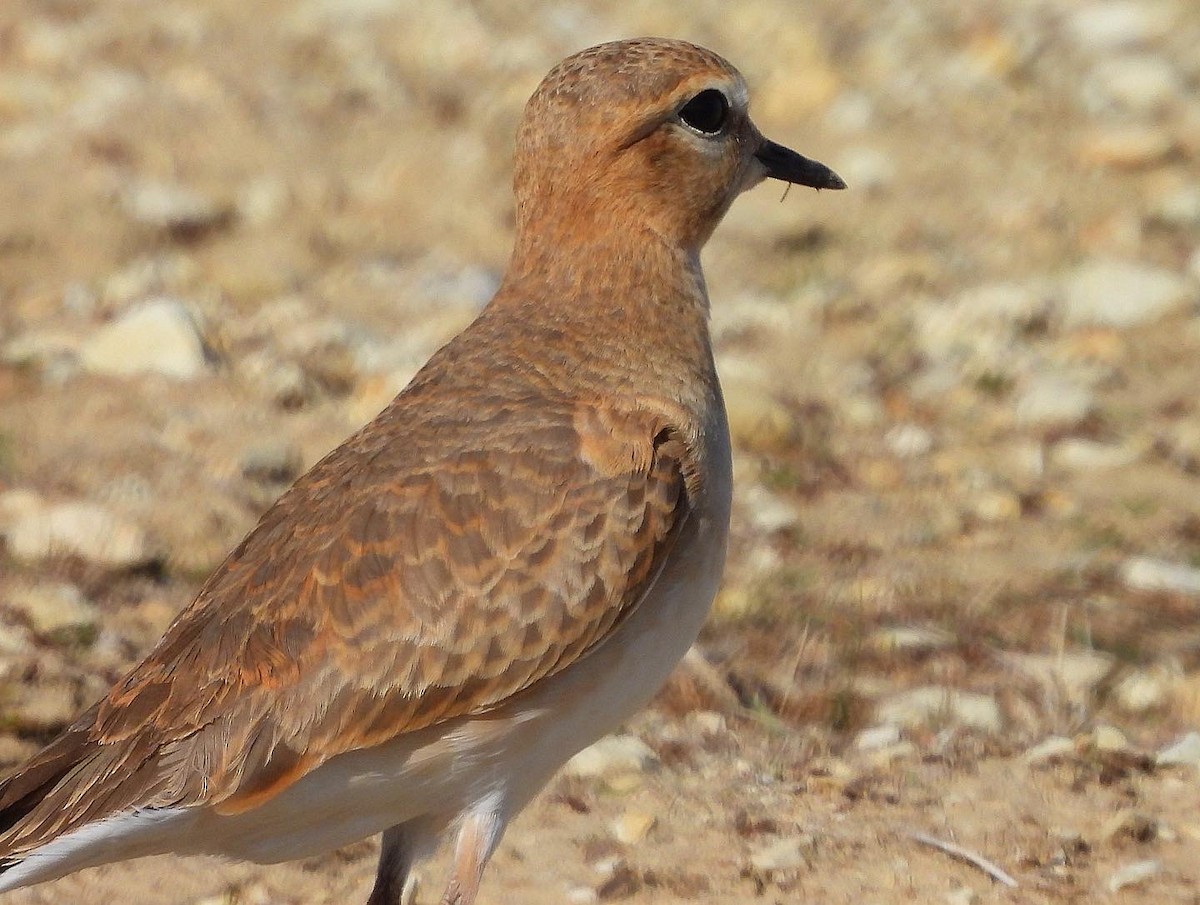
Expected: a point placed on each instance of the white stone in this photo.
(1050, 400)
(1144, 573)
(1142, 690)
(1140, 83)
(781, 855)
(1077, 454)
(1185, 751)
(53, 607)
(931, 704)
(877, 737)
(908, 441)
(611, 754)
(162, 205)
(1114, 293)
(1052, 749)
(1133, 874)
(1073, 675)
(767, 512)
(157, 337)
(1118, 24)
(81, 529)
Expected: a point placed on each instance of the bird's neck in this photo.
(617, 298)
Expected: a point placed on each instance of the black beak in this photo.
(785, 164)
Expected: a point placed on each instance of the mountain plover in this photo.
(500, 568)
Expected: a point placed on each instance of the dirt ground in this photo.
(964, 591)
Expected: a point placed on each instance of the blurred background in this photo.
(964, 589)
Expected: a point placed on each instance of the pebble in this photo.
(82, 529)
(1127, 147)
(908, 639)
(54, 608)
(1077, 454)
(180, 211)
(1133, 874)
(1051, 750)
(1072, 674)
(1183, 752)
(46, 706)
(633, 826)
(273, 462)
(1115, 293)
(877, 737)
(1111, 25)
(159, 336)
(908, 441)
(996, 506)
(934, 703)
(768, 512)
(964, 895)
(781, 855)
(1053, 401)
(1178, 207)
(612, 754)
(1138, 83)
(1144, 573)
(1142, 690)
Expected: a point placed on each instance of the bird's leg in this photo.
(395, 862)
(477, 839)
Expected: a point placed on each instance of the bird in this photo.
(500, 568)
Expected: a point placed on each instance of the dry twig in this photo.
(957, 851)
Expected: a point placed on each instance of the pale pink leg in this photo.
(477, 839)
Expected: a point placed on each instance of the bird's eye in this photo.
(707, 112)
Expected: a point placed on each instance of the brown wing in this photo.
(431, 567)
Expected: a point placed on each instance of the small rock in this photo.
(1073, 675)
(633, 827)
(54, 608)
(877, 737)
(278, 462)
(1142, 690)
(994, 506)
(612, 754)
(262, 201)
(1127, 148)
(1052, 401)
(867, 169)
(1140, 83)
(781, 855)
(909, 639)
(1130, 824)
(1052, 750)
(1144, 573)
(1185, 751)
(964, 895)
(1133, 874)
(175, 209)
(157, 337)
(44, 707)
(1110, 740)
(768, 512)
(1113, 293)
(932, 704)
(1078, 454)
(1119, 24)
(908, 441)
(1177, 207)
(81, 529)
(582, 895)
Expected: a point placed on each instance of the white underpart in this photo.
(433, 778)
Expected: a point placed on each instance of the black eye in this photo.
(707, 112)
